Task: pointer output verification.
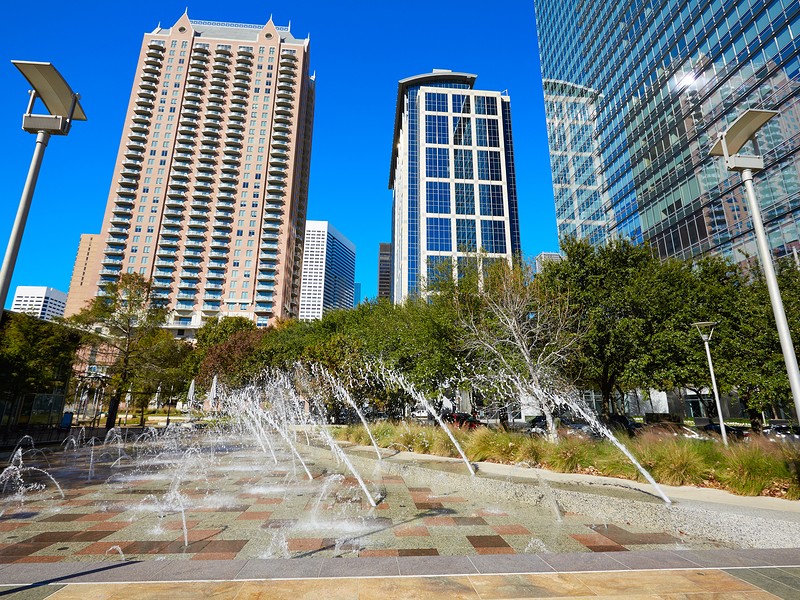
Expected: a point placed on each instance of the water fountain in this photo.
(267, 478)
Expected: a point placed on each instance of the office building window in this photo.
(493, 236)
(438, 232)
(437, 196)
(465, 199)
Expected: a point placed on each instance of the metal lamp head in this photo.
(59, 99)
(736, 135)
(705, 329)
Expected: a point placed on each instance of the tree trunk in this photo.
(113, 409)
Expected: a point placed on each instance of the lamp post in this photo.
(702, 327)
(730, 142)
(62, 104)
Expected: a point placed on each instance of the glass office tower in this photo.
(636, 93)
(452, 177)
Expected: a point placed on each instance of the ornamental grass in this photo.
(755, 467)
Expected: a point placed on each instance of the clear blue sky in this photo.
(359, 50)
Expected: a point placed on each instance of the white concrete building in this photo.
(40, 301)
(452, 178)
(329, 265)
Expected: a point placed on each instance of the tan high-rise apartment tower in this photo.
(210, 188)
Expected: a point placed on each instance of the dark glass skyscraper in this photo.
(635, 94)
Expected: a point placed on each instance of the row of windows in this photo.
(437, 196)
(487, 131)
(437, 164)
(439, 235)
(437, 102)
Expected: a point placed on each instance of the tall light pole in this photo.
(62, 104)
(702, 328)
(730, 141)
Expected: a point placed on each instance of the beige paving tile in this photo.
(300, 589)
(760, 595)
(490, 587)
(662, 582)
(417, 588)
(225, 590)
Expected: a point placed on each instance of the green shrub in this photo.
(571, 453)
(751, 468)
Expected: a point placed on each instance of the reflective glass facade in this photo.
(635, 95)
(453, 179)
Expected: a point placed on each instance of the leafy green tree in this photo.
(123, 321)
(612, 306)
(35, 355)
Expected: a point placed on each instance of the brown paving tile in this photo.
(511, 530)
(411, 531)
(491, 513)
(100, 516)
(53, 536)
(419, 489)
(428, 505)
(41, 559)
(97, 548)
(197, 535)
(597, 543)
(487, 541)
(304, 544)
(383, 506)
(254, 516)
(177, 547)
(140, 547)
(495, 550)
(469, 521)
(225, 546)
(9, 526)
(342, 589)
(214, 556)
(417, 588)
(378, 552)
(91, 536)
(23, 548)
(625, 538)
(417, 552)
(63, 518)
(439, 521)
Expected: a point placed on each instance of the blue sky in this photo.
(359, 50)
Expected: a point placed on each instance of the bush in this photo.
(752, 468)
(673, 460)
(570, 454)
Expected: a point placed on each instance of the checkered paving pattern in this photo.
(237, 504)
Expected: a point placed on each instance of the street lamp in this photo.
(730, 142)
(62, 104)
(702, 328)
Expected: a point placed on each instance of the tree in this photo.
(212, 333)
(605, 289)
(35, 356)
(123, 320)
(515, 327)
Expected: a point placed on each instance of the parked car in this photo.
(419, 412)
(782, 433)
(463, 420)
(675, 429)
(571, 425)
(622, 423)
(732, 431)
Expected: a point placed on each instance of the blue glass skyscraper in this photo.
(452, 177)
(635, 94)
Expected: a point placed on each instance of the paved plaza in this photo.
(227, 522)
